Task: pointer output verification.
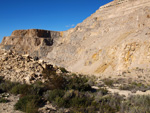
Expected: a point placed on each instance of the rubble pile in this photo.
(20, 68)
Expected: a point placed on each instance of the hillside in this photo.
(113, 40)
(100, 66)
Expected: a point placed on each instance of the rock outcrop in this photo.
(22, 68)
(33, 41)
(112, 40)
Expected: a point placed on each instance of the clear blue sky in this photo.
(57, 15)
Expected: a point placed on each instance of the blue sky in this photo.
(56, 15)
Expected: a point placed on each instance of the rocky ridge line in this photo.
(35, 42)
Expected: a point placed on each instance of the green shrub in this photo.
(16, 88)
(74, 92)
(110, 103)
(108, 82)
(58, 82)
(89, 109)
(79, 83)
(3, 100)
(68, 99)
(60, 102)
(103, 91)
(20, 89)
(55, 81)
(134, 86)
(38, 88)
(80, 102)
(1, 79)
(63, 70)
(29, 103)
(6, 86)
(52, 94)
(136, 104)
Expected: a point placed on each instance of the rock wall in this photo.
(23, 68)
(33, 41)
(110, 41)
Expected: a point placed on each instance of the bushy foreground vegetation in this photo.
(73, 92)
(134, 86)
(3, 100)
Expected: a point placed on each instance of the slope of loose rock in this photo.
(21, 68)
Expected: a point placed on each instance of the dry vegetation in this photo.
(75, 93)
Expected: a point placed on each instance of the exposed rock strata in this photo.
(33, 41)
(110, 41)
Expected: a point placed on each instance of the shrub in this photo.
(1, 79)
(3, 100)
(29, 103)
(110, 103)
(60, 102)
(80, 102)
(1, 91)
(16, 88)
(20, 89)
(102, 91)
(79, 83)
(6, 86)
(38, 88)
(63, 70)
(69, 99)
(52, 94)
(134, 86)
(55, 81)
(108, 82)
(58, 82)
(136, 104)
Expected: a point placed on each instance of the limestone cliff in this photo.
(33, 41)
(113, 39)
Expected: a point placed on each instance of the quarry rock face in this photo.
(33, 41)
(114, 39)
(23, 68)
